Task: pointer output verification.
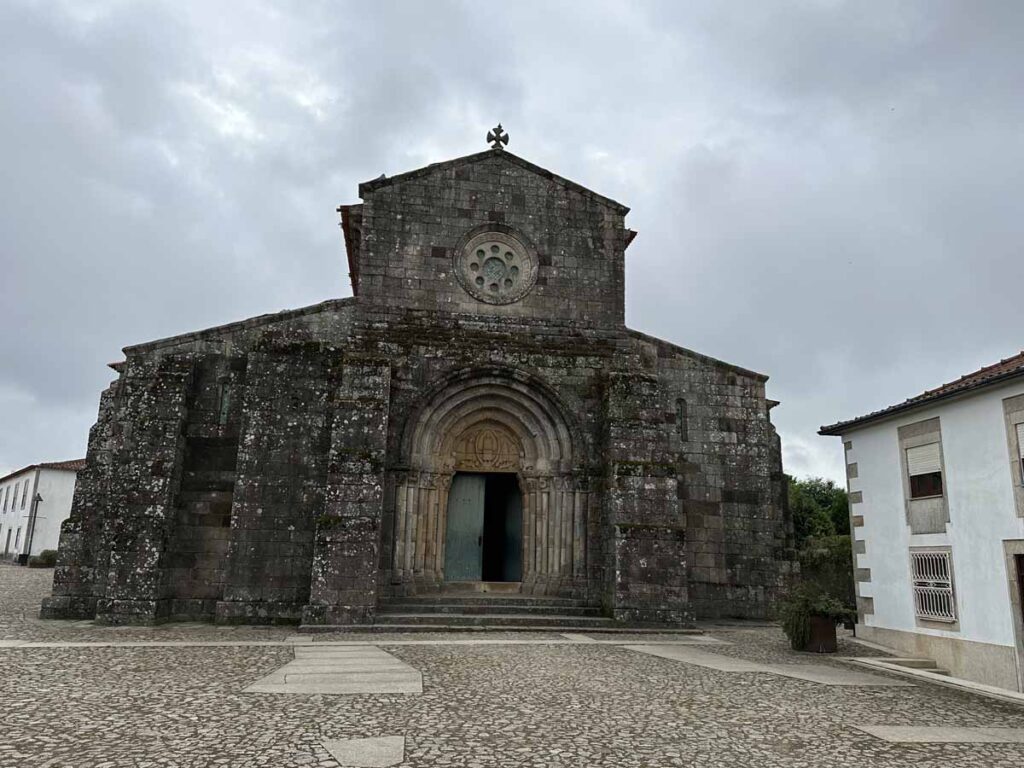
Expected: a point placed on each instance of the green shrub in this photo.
(827, 563)
(45, 559)
(801, 604)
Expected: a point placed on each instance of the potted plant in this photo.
(809, 618)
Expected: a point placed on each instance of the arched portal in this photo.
(482, 425)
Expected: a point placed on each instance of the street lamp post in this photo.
(32, 515)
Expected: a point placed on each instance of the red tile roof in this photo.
(72, 465)
(990, 374)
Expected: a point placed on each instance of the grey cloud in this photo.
(824, 191)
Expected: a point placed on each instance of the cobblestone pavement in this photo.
(573, 704)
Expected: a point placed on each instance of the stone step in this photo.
(440, 625)
(488, 599)
(479, 587)
(487, 607)
(492, 620)
(918, 663)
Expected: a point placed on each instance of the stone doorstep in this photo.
(493, 619)
(527, 611)
(915, 663)
(441, 627)
(893, 657)
(988, 691)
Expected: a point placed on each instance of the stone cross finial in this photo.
(497, 137)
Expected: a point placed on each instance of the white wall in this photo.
(13, 517)
(979, 493)
(57, 488)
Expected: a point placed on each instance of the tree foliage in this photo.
(819, 508)
(821, 527)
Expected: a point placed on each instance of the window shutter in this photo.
(1020, 440)
(923, 460)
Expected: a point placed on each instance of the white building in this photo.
(34, 501)
(937, 514)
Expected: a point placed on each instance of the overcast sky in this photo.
(828, 192)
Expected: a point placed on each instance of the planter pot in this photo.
(823, 635)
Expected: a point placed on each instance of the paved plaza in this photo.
(197, 695)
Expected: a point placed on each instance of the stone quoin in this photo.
(476, 412)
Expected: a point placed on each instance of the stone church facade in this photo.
(477, 412)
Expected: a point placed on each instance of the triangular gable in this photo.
(504, 154)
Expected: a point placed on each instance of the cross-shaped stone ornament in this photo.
(497, 137)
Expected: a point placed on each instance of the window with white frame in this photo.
(932, 573)
(24, 493)
(924, 466)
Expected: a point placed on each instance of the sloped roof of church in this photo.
(996, 373)
(369, 186)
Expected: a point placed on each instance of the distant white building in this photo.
(937, 512)
(34, 501)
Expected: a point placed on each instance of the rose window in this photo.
(496, 267)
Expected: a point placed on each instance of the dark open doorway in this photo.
(1018, 561)
(484, 537)
(503, 529)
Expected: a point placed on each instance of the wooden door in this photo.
(464, 532)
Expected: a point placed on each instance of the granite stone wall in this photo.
(281, 484)
(731, 488)
(412, 223)
(348, 532)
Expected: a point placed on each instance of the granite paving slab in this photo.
(340, 670)
(815, 673)
(699, 657)
(375, 752)
(944, 734)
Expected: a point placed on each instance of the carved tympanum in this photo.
(486, 449)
